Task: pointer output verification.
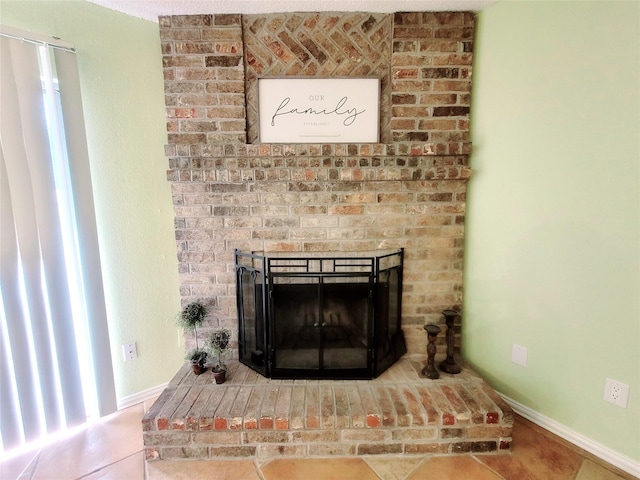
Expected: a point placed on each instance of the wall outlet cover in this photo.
(616, 392)
(129, 351)
(519, 355)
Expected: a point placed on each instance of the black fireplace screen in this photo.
(330, 315)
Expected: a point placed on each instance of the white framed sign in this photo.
(319, 110)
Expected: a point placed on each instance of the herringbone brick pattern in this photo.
(351, 44)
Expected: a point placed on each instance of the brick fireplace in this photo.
(408, 191)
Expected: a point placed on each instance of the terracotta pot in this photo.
(198, 368)
(220, 376)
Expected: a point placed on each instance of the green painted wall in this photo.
(123, 94)
(553, 223)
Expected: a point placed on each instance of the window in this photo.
(55, 362)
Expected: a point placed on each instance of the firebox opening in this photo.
(320, 317)
(321, 326)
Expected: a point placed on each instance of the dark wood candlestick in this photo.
(430, 370)
(449, 365)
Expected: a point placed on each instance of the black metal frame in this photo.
(256, 358)
(385, 344)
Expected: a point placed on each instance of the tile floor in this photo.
(112, 449)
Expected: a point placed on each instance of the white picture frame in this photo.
(319, 110)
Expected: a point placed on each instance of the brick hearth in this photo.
(400, 412)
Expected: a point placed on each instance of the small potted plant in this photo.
(189, 318)
(218, 343)
(198, 358)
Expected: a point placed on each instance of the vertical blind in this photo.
(55, 361)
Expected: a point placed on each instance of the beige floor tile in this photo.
(202, 470)
(396, 468)
(318, 469)
(534, 456)
(96, 446)
(130, 468)
(459, 467)
(592, 471)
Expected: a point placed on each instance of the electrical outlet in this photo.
(616, 392)
(519, 355)
(129, 351)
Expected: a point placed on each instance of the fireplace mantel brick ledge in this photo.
(398, 413)
(316, 149)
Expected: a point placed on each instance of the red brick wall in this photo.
(408, 191)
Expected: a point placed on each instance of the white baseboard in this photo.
(140, 397)
(610, 456)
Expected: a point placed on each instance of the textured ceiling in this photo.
(151, 9)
